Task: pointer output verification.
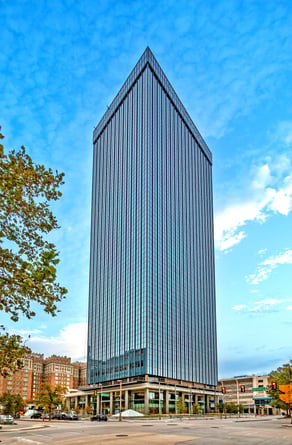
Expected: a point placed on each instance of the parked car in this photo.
(99, 417)
(6, 418)
(36, 416)
(72, 416)
(60, 416)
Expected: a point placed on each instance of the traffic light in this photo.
(223, 390)
(242, 388)
(274, 386)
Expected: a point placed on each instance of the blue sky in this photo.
(62, 62)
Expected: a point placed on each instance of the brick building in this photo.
(20, 382)
(58, 371)
(55, 370)
(37, 372)
(79, 374)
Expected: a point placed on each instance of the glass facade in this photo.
(152, 285)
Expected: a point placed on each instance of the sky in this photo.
(61, 64)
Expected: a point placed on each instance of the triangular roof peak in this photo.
(148, 59)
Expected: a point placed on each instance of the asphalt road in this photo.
(251, 431)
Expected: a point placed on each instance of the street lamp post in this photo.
(120, 415)
(190, 397)
(159, 408)
(237, 397)
(100, 384)
(215, 395)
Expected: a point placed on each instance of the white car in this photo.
(6, 418)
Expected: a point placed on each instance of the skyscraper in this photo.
(152, 286)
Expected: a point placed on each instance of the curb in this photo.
(36, 427)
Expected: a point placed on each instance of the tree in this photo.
(281, 376)
(88, 410)
(196, 408)
(77, 409)
(220, 407)
(27, 259)
(50, 396)
(240, 408)
(12, 351)
(231, 408)
(11, 403)
(181, 406)
(65, 408)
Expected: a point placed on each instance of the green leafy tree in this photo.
(49, 397)
(231, 408)
(181, 406)
(27, 259)
(220, 407)
(11, 403)
(196, 408)
(12, 351)
(240, 408)
(281, 376)
(88, 410)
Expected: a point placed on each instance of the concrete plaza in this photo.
(200, 431)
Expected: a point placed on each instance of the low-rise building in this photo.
(249, 391)
(145, 394)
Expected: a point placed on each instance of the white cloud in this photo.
(266, 267)
(239, 307)
(273, 301)
(70, 341)
(231, 240)
(289, 308)
(262, 306)
(269, 192)
(263, 178)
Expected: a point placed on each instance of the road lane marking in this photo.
(21, 439)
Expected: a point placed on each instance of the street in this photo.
(270, 431)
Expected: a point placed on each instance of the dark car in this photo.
(36, 416)
(99, 417)
(60, 416)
